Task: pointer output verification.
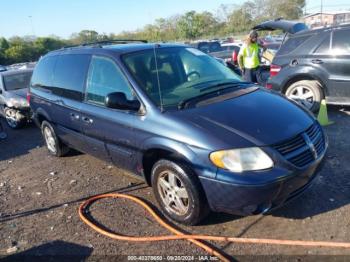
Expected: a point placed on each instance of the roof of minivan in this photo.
(116, 48)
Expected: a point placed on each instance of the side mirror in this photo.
(118, 100)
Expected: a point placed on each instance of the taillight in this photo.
(268, 86)
(28, 97)
(234, 56)
(274, 70)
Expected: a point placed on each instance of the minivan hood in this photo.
(288, 26)
(260, 117)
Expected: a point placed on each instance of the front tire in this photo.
(308, 93)
(179, 192)
(53, 144)
(14, 118)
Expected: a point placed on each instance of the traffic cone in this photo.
(322, 117)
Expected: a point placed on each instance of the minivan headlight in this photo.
(243, 159)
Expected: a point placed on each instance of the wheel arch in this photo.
(171, 151)
(304, 76)
(40, 116)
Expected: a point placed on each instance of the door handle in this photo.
(87, 120)
(317, 61)
(74, 116)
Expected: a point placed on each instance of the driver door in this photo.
(109, 132)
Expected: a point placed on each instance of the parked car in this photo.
(14, 86)
(227, 52)
(311, 65)
(185, 123)
(25, 65)
(207, 46)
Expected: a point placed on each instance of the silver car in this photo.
(13, 91)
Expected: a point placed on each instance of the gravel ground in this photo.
(40, 195)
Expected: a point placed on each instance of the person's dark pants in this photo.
(251, 74)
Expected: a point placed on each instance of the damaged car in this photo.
(13, 92)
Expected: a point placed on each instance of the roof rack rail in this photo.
(106, 42)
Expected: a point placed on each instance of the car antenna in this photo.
(155, 60)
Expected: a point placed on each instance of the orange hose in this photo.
(192, 238)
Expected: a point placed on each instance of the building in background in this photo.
(331, 18)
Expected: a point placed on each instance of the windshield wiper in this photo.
(229, 84)
(183, 103)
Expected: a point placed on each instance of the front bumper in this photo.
(249, 199)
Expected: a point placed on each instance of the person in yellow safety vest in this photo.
(249, 58)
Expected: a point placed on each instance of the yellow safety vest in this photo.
(250, 54)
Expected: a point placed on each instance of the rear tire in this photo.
(179, 192)
(308, 93)
(53, 144)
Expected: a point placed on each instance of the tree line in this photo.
(228, 20)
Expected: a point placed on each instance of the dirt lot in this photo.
(40, 195)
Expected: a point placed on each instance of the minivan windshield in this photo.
(17, 81)
(171, 75)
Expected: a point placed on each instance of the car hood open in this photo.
(260, 117)
(288, 26)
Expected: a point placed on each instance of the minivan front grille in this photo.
(304, 148)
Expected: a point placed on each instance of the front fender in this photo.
(197, 157)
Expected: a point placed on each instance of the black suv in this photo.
(311, 64)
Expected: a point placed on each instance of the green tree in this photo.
(42, 45)
(240, 20)
(288, 9)
(3, 46)
(84, 36)
(193, 25)
(19, 53)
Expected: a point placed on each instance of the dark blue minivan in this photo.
(200, 136)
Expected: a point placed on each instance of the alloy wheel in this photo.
(50, 140)
(303, 95)
(173, 193)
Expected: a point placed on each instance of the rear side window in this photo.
(324, 46)
(291, 44)
(43, 73)
(104, 78)
(69, 76)
(17, 81)
(341, 42)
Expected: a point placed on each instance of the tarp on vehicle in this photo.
(291, 27)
